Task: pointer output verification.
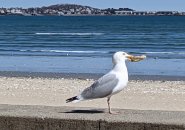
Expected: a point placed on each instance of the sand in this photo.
(139, 94)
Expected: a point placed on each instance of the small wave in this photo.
(77, 51)
(163, 52)
(64, 51)
(78, 34)
(29, 50)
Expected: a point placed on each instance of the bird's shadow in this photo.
(92, 111)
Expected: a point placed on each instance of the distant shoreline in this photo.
(84, 15)
(93, 15)
(80, 10)
(85, 76)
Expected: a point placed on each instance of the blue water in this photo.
(86, 44)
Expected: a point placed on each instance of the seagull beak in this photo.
(135, 58)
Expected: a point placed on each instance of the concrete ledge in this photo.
(66, 118)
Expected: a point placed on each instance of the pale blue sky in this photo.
(144, 5)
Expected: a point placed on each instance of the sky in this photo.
(139, 5)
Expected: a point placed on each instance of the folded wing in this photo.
(103, 87)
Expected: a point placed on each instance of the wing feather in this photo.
(101, 88)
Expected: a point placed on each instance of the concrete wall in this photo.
(67, 118)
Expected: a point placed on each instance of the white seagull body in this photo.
(109, 84)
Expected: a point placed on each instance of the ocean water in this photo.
(86, 44)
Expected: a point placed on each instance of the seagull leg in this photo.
(108, 102)
(110, 112)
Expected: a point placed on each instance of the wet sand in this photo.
(139, 94)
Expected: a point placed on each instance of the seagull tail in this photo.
(73, 99)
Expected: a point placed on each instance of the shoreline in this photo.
(85, 76)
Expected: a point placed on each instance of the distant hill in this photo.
(66, 9)
(79, 9)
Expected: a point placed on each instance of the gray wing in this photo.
(101, 88)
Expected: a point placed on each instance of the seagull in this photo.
(111, 83)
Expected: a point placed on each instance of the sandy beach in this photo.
(139, 94)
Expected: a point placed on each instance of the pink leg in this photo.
(108, 102)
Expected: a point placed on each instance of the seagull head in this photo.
(121, 56)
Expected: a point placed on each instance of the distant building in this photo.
(164, 13)
(60, 13)
(182, 13)
(16, 11)
(140, 13)
(2, 12)
(123, 12)
(151, 13)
